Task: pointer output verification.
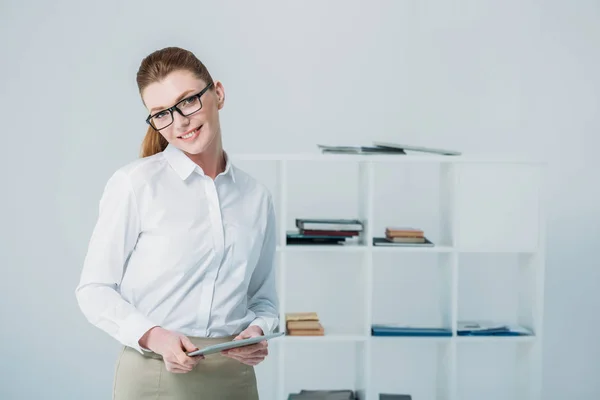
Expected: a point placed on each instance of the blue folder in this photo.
(396, 330)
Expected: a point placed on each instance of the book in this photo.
(306, 332)
(329, 224)
(390, 145)
(302, 316)
(314, 241)
(310, 324)
(382, 241)
(391, 231)
(408, 239)
(302, 235)
(359, 150)
(490, 328)
(405, 330)
(318, 232)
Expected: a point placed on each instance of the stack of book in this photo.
(303, 324)
(402, 236)
(324, 231)
(490, 328)
(384, 147)
(358, 149)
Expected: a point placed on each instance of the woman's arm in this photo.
(262, 291)
(112, 241)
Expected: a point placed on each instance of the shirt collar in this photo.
(184, 167)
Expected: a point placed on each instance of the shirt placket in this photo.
(218, 238)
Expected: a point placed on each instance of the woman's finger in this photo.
(173, 367)
(249, 349)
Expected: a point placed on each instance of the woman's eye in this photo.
(160, 115)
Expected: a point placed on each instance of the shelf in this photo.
(495, 339)
(326, 338)
(341, 307)
(439, 339)
(322, 248)
(399, 249)
(487, 263)
(415, 249)
(380, 158)
(363, 248)
(421, 368)
(497, 250)
(413, 289)
(322, 365)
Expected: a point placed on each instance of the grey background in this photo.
(510, 77)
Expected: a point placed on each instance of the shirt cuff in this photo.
(133, 328)
(262, 324)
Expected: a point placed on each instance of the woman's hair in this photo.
(157, 66)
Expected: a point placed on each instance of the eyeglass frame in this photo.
(175, 108)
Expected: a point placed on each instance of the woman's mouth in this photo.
(191, 134)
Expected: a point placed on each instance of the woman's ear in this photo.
(220, 94)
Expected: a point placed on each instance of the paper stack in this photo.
(303, 324)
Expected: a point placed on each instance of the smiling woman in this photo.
(176, 262)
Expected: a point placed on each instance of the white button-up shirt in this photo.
(174, 248)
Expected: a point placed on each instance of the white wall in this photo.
(508, 77)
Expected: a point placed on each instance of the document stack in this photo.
(402, 236)
(324, 231)
(303, 324)
(490, 328)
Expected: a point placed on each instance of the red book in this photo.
(328, 233)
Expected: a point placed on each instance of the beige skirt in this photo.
(145, 376)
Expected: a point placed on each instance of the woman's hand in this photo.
(252, 354)
(172, 347)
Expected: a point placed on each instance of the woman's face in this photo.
(194, 133)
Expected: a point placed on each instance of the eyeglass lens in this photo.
(186, 106)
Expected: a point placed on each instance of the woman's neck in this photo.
(212, 161)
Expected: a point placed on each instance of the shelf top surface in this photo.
(461, 339)
(400, 249)
(384, 158)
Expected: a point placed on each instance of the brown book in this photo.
(403, 232)
(328, 233)
(401, 239)
(302, 316)
(303, 325)
(306, 332)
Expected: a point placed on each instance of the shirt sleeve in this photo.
(262, 291)
(113, 239)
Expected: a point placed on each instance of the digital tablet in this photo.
(233, 344)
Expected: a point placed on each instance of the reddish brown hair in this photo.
(157, 66)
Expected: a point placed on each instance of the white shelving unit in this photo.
(486, 219)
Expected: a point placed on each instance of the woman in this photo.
(182, 253)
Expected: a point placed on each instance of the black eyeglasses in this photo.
(185, 107)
